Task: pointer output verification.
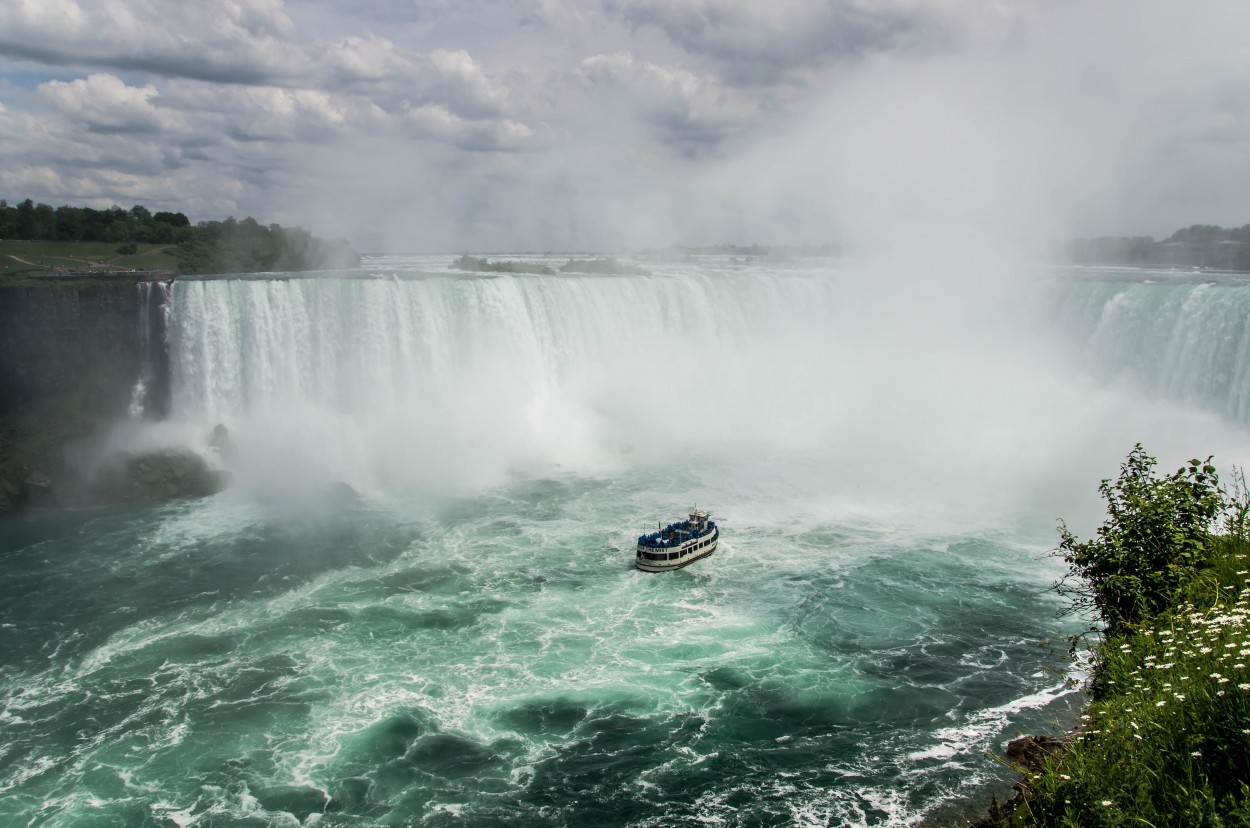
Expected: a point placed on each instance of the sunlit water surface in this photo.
(496, 660)
(477, 649)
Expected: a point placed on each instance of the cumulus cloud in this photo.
(691, 112)
(106, 104)
(238, 41)
(557, 124)
(785, 40)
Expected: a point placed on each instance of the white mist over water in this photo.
(415, 379)
(470, 634)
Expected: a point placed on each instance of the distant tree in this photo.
(172, 219)
(95, 225)
(212, 246)
(1200, 232)
(119, 230)
(70, 223)
(1242, 259)
(25, 224)
(45, 222)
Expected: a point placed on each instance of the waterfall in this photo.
(1184, 340)
(149, 395)
(419, 378)
(450, 373)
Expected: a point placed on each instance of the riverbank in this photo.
(1165, 739)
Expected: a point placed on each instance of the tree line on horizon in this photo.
(1199, 245)
(228, 246)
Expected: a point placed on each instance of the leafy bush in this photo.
(1157, 533)
(1167, 740)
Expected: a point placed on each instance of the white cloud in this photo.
(557, 123)
(785, 40)
(219, 40)
(106, 104)
(689, 111)
(438, 123)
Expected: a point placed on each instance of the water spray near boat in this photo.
(678, 544)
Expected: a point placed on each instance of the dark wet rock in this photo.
(999, 814)
(1030, 752)
(219, 440)
(160, 475)
(39, 480)
(9, 495)
(36, 490)
(343, 492)
(172, 473)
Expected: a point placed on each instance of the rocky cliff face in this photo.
(70, 356)
(81, 341)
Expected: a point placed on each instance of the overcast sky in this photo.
(445, 125)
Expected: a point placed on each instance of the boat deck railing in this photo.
(675, 534)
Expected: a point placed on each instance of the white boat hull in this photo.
(651, 559)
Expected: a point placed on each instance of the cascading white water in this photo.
(1184, 339)
(153, 324)
(461, 375)
(409, 376)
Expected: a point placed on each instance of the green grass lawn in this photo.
(25, 259)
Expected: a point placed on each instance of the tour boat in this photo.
(677, 544)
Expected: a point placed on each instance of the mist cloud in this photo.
(553, 125)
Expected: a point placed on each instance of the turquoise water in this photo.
(497, 660)
(457, 635)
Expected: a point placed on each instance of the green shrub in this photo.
(1157, 533)
(1165, 740)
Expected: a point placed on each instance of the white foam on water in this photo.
(522, 431)
(980, 727)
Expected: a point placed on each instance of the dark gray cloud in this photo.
(560, 123)
(783, 41)
(214, 40)
(693, 114)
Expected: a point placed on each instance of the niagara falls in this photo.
(624, 413)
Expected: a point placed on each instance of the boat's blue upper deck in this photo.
(675, 534)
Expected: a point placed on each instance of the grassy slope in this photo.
(1167, 741)
(24, 259)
